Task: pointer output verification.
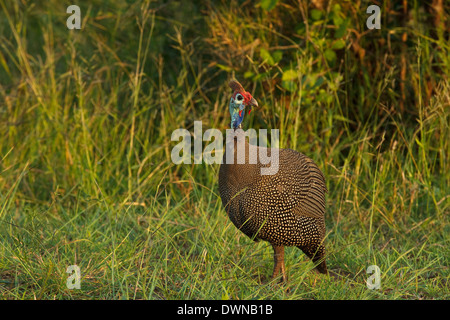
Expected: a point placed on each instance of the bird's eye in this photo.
(239, 97)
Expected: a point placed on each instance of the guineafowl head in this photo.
(239, 100)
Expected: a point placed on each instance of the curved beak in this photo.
(253, 102)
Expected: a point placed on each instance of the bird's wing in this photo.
(306, 182)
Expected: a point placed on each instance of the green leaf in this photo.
(316, 14)
(316, 81)
(300, 28)
(268, 4)
(265, 55)
(277, 55)
(310, 81)
(289, 75)
(248, 74)
(337, 20)
(330, 55)
(323, 96)
(338, 44)
(221, 66)
(334, 76)
(340, 32)
(290, 86)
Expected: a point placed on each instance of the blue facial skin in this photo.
(236, 120)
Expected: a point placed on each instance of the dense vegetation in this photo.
(86, 118)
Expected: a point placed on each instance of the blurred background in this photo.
(86, 118)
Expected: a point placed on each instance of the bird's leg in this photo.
(278, 262)
(317, 255)
(322, 268)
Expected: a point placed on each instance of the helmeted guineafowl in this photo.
(285, 208)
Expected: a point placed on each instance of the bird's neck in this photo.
(240, 158)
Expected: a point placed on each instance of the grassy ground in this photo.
(86, 118)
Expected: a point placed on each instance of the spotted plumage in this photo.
(286, 208)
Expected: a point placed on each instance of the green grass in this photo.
(86, 118)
